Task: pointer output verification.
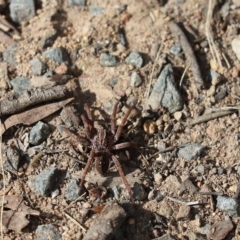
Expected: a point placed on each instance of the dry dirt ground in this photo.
(144, 25)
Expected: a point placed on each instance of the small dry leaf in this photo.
(15, 219)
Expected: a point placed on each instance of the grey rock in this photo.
(58, 54)
(132, 100)
(135, 59)
(229, 205)
(116, 192)
(96, 10)
(113, 81)
(224, 11)
(47, 232)
(79, 3)
(236, 46)
(38, 67)
(200, 168)
(238, 170)
(135, 80)
(72, 190)
(190, 151)
(165, 92)
(68, 117)
(20, 84)
(108, 60)
(108, 106)
(39, 133)
(139, 192)
(42, 184)
(12, 160)
(214, 75)
(176, 49)
(22, 10)
(9, 55)
(48, 39)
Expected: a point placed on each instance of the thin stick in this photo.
(4, 187)
(76, 222)
(151, 77)
(74, 201)
(183, 203)
(180, 36)
(211, 116)
(211, 43)
(210, 193)
(184, 73)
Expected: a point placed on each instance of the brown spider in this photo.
(102, 143)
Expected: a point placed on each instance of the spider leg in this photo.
(75, 136)
(113, 119)
(124, 120)
(120, 170)
(88, 122)
(86, 169)
(86, 126)
(124, 145)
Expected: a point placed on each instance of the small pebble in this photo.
(79, 3)
(39, 133)
(150, 127)
(177, 115)
(48, 38)
(96, 10)
(58, 54)
(190, 151)
(108, 60)
(47, 232)
(38, 67)
(135, 59)
(236, 46)
(139, 192)
(235, 72)
(42, 184)
(135, 80)
(72, 190)
(158, 178)
(20, 84)
(176, 49)
(229, 205)
(22, 10)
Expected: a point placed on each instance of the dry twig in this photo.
(182, 202)
(17, 102)
(4, 187)
(211, 116)
(75, 221)
(179, 35)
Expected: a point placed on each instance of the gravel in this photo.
(72, 190)
(39, 133)
(21, 11)
(38, 67)
(42, 184)
(229, 205)
(135, 59)
(165, 92)
(135, 80)
(58, 54)
(47, 232)
(20, 84)
(108, 60)
(190, 151)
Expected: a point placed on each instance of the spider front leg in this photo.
(86, 169)
(120, 127)
(120, 170)
(88, 122)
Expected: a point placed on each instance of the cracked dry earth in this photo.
(185, 172)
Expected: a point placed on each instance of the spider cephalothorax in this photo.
(103, 143)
